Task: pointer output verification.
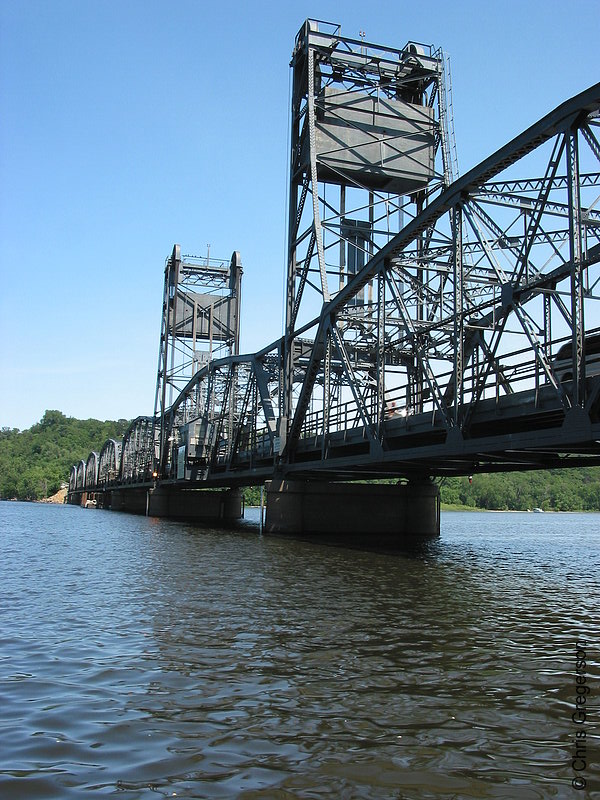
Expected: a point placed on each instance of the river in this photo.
(142, 658)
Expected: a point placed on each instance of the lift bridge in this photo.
(435, 325)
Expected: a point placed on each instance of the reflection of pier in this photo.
(435, 325)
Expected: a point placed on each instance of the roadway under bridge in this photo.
(436, 325)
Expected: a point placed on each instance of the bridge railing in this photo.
(515, 372)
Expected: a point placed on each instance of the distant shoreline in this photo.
(59, 499)
(454, 507)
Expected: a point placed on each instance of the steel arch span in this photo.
(91, 471)
(80, 475)
(139, 451)
(73, 479)
(109, 464)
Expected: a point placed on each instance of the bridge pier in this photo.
(80, 499)
(377, 514)
(184, 504)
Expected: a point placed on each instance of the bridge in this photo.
(435, 325)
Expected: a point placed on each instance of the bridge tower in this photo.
(200, 322)
(371, 144)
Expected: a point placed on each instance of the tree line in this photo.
(35, 462)
(576, 489)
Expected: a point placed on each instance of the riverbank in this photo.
(58, 498)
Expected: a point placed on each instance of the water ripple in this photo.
(141, 657)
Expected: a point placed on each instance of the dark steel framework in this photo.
(456, 325)
(200, 321)
(109, 464)
(91, 471)
(370, 148)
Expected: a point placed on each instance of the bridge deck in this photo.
(525, 430)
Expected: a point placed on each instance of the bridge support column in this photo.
(186, 504)
(377, 514)
(192, 504)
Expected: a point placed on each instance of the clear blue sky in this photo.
(129, 125)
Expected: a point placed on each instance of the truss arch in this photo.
(139, 452)
(91, 471)
(80, 475)
(109, 463)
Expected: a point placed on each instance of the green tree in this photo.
(34, 462)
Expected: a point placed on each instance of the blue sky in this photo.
(128, 126)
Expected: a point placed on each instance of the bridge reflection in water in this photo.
(435, 325)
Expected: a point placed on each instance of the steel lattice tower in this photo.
(370, 147)
(200, 322)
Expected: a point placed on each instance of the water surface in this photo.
(143, 658)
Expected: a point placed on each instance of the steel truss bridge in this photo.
(435, 325)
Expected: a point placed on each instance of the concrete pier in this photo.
(185, 504)
(386, 514)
